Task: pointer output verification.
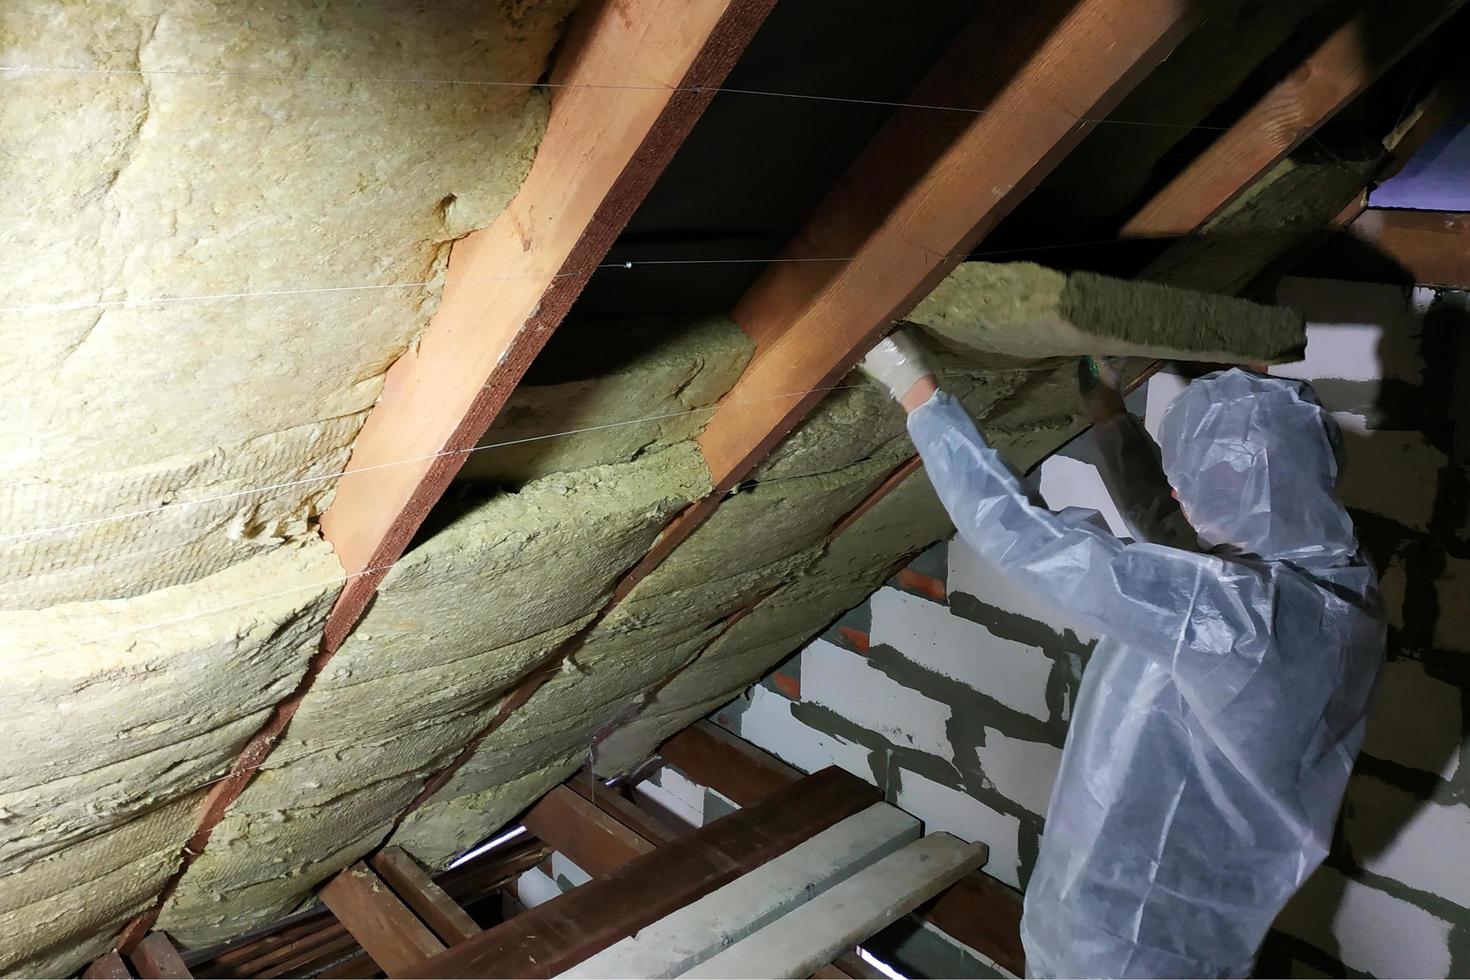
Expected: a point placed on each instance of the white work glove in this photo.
(896, 363)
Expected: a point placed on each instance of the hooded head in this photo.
(1255, 461)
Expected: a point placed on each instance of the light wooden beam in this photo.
(633, 78)
(1350, 59)
(1032, 77)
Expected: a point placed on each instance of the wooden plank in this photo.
(711, 756)
(983, 914)
(801, 941)
(689, 936)
(593, 840)
(108, 966)
(1350, 59)
(386, 929)
(923, 193)
(566, 930)
(316, 954)
(431, 903)
(649, 826)
(1431, 247)
(155, 957)
(633, 78)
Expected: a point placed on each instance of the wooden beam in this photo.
(385, 928)
(1351, 58)
(108, 966)
(592, 839)
(569, 928)
(429, 902)
(156, 959)
(633, 78)
(711, 756)
(807, 937)
(649, 826)
(690, 935)
(923, 193)
(1432, 248)
(983, 914)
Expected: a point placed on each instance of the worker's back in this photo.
(1181, 822)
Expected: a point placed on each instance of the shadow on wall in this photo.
(1384, 902)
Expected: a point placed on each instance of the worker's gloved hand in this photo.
(1100, 380)
(897, 363)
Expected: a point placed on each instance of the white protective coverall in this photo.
(1221, 712)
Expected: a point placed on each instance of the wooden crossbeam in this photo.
(657, 830)
(567, 929)
(632, 79)
(431, 903)
(1350, 59)
(108, 966)
(923, 193)
(595, 841)
(386, 928)
(711, 756)
(1431, 247)
(156, 959)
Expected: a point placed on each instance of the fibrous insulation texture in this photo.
(518, 560)
(222, 222)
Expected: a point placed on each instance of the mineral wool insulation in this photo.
(158, 643)
(188, 186)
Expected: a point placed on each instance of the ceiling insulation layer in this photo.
(183, 352)
(193, 191)
(165, 151)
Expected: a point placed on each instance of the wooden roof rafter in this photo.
(631, 79)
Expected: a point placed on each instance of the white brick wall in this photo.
(852, 687)
(1020, 770)
(1369, 930)
(1015, 674)
(945, 808)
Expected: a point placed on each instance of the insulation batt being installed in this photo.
(140, 653)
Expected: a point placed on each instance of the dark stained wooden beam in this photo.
(985, 915)
(590, 837)
(156, 959)
(1431, 248)
(419, 892)
(1349, 60)
(385, 928)
(653, 828)
(108, 966)
(567, 929)
(711, 756)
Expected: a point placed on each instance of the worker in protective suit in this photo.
(1221, 711)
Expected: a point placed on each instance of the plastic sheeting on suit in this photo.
(1220, 714)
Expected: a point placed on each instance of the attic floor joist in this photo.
(628, 86)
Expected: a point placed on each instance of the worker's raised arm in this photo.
(1194, 614)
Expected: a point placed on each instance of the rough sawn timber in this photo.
(923, 193)
(510, 285)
